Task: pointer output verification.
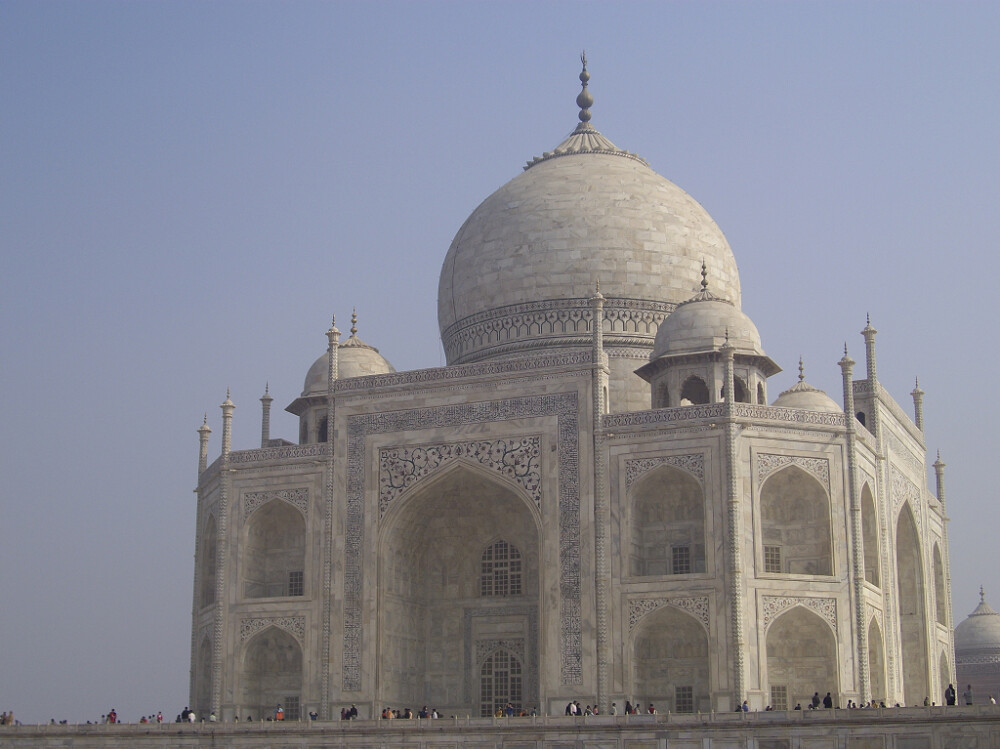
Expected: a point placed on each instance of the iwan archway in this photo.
(458, 592)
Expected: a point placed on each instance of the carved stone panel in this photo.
(297, 497)
(773, 606)
(636, 468)
(517, 459)
(697, 606)
(768, 463)
(296, 626)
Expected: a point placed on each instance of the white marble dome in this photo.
(587, 212)
(979, 632)
(703, 324)
(804, 396)
(355, 358)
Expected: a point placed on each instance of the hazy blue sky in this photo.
(189, 190)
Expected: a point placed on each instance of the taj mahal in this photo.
(596, 499)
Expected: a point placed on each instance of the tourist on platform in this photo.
(967, 695)
(949, 695)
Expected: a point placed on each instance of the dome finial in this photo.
(584, 100)
(354, 321)
(982, 595)
(802, 370)
(704, 276)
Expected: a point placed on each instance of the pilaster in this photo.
(333, 346)
(862, 678)
(737, 585)
(602, 513)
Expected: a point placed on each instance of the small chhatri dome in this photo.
(706, 322)
(804, 396)
(978, 635)
(355, 359)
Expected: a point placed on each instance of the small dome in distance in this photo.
(979, 632)
(355, 359)
(804, 396)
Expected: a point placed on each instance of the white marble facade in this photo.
(521, 526)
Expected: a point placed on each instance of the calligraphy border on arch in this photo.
(635, 468)
(360, 427)
(768, 463)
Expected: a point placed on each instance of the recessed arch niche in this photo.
(434, 609)
(271, 673)
(670, 661)
(667, 529)
(802, 657)
(869, 534)
(910, 585)
(795, 521)
(274, 551)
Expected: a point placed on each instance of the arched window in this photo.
(499, 683)
(742, 394)
(501, 570)
(694, 391)
(322, 430)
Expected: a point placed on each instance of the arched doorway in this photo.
(500, 683)
(670, 664)
(795, 517)
(458, 584)
(802, 657)
(912, 615)
(667, 524)
(271, 674)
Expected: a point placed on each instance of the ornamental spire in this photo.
(584, 99)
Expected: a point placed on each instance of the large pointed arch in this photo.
(667, 529)
(802, 657)
(912, 612)
(271, 673)
(433, 631)
(795, 524)
(670, 661)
